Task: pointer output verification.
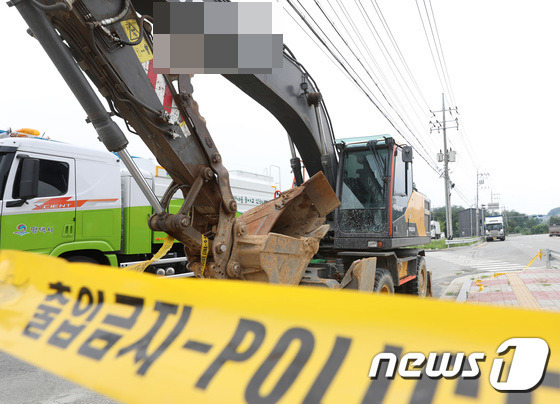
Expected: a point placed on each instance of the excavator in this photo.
(352, 225)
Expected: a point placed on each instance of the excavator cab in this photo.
(379, 207)
(363, 189)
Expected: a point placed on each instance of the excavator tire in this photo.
(383, 282)
(419, 285)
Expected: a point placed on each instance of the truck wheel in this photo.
(419, 285)
(82, 258)
(383, 282)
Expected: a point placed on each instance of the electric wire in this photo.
(373, 80)
(395, 44)
(385, 52)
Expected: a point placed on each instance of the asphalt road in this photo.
(23, 383)
(513, 254)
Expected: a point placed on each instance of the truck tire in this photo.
(383, 282)
(419, 285)
(82, 258)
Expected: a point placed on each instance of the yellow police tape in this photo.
(140, 338)
(165, 247)
(480, 284)
(203, 253)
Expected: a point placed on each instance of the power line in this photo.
(445, 70)
(382, 47)
(371, 78)
(395, 44)
(348, 68)
(443, 66)
(429, 45)
(387, 55)
(371, 27)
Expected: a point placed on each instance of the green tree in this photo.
(539, 229)
(521, 222)
(438, 214)
(554, 212)
(554, 220)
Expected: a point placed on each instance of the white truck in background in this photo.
(435, 230)
(82, 204)
(494, 228)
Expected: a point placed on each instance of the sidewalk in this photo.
(537, 288)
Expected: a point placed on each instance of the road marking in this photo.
(480, 245)
(478, 264)
(522, 293)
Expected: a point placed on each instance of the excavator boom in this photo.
(113, 46)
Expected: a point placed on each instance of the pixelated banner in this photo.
(220, 37)
(139, 338)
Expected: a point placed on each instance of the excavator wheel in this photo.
(383, 282)
(419, 285)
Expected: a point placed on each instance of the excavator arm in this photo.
(294, 99)
(113, 45)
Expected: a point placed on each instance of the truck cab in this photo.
(494, 228)
(57, 198)
(74, 202)
(435, 230)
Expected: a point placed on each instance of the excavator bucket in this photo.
(275, 258)
(295, 212)
(274, 242)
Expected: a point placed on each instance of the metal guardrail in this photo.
(461, 241)
(551, 255)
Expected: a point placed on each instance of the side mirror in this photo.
(407, 154)
(29, 181)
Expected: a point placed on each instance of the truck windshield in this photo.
(363, 203)
(494, 226)
(5, 164)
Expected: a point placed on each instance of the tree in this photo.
(539, 229)
(438, 214)
(554, 212)
(522, 223)
(554, 220)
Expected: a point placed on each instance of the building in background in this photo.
(467, 222)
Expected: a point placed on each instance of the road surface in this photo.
(486, 257)
(23, 383)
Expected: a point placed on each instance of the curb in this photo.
(452, 246)
(463, 293)
(464, 280)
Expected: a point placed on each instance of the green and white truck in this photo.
(81, 204)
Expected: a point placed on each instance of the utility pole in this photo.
(506, 228)
(479, 181)
(448, 213)
(447, 157)
(477, 218)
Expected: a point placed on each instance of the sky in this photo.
(502, 63)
